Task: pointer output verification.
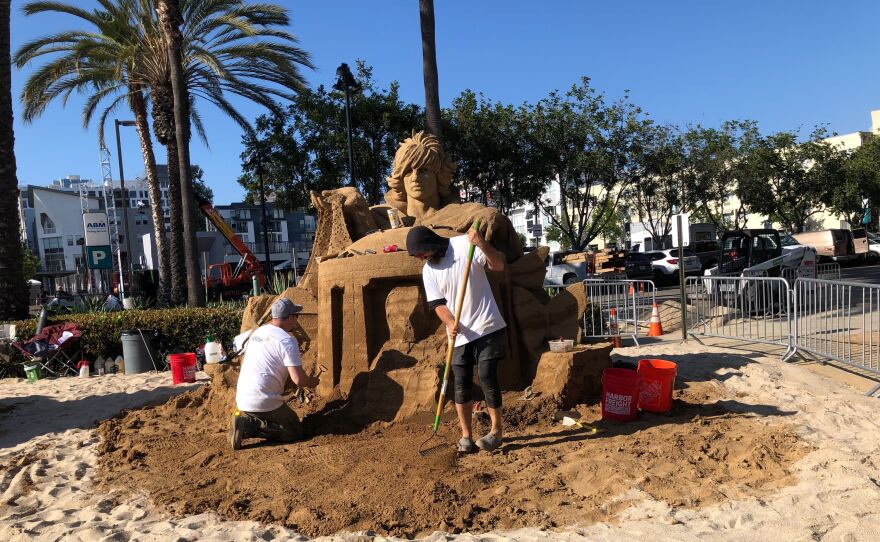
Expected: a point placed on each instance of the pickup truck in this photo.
(560, 273)
(706, 251)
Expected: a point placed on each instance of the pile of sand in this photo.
(546, 475)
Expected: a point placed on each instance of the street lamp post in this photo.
(346, 82)
(256, 161)
(119, 123)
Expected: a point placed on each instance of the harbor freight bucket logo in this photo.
(616, 403)
(96, 231)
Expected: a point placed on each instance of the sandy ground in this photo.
(49, 456)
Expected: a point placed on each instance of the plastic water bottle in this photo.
(212, 350)
(83, 368)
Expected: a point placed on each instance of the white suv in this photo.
(665, 264)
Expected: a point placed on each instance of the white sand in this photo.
(48, 452)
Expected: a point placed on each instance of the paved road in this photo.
(862, 273)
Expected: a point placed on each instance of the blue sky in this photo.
(785, 63)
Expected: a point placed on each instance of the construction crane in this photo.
(221, 278)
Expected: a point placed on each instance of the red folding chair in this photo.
(56, 349)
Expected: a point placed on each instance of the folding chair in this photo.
(55, 349)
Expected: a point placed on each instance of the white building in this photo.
(532, 228)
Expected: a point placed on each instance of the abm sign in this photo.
(95, 227)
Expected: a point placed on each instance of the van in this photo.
(564, 273)
(860, 242)
(836, 245)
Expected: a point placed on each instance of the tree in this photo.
(595, 149)
(554, 234)
(201, 191)
(98, 63)
(13, 295)
(30, 262)
(486, 139)
(712, 161)
(304, 148)
(660, 193)
(861, 181)
(229, 47)
(787, 180)
(170, 20)
(429, 70)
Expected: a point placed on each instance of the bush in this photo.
(180, 329)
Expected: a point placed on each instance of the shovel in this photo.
(435, 442)
(570, 419)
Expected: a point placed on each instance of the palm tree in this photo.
(13, 295)
(100, 63)
(229, 47)
(170, 21)
(429, 69)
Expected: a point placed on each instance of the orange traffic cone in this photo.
(656, 328)
(631, 291)
(614, 329)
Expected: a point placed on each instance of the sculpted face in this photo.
(421, 184)
(420, 181)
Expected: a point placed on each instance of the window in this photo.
(47, 224)
(277, 213)
(50, 243)
(69, 241)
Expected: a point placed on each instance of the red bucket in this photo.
(620, 394)
(655, 390)
(183, 367)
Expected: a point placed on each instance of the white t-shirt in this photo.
(268, 354)
(479, 314)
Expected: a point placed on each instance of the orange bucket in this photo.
(656, 383)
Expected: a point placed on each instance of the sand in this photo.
(755, 449)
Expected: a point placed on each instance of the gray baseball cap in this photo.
(283, 307)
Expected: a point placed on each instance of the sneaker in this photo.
(465, 445)
(489, 442)
(239, 429)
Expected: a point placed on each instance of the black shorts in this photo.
(486, 353)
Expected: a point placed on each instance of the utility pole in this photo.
(124, 195)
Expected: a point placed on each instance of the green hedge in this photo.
(180, 330)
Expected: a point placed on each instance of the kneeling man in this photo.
(271, 356)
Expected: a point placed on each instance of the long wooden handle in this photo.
(450, 345)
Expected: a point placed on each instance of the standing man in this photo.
(271, 356)
(480, 338)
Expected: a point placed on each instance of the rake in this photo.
(435, 442)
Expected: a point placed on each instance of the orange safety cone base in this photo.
(655, 329)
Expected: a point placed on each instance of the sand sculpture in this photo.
(365, 316)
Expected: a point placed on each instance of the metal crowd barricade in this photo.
(632, 301)
(838, 320)
(827, 271)
(753, 309)
(604, 295)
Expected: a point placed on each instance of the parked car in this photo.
(835, 245)
(873, 255)
(561, 273)
(638, 266)
(706, 251)
(665, 264)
